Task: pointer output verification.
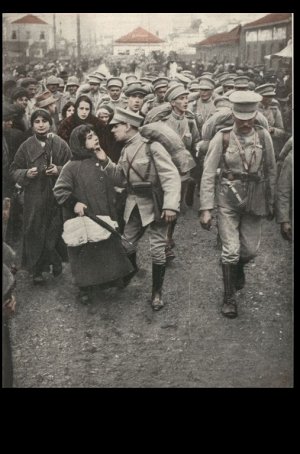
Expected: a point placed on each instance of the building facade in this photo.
(138, 42)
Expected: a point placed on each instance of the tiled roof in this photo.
(29, 19)
(139, 35)
(269, 19)
(220, 38)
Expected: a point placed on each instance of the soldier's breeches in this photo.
(134, 231)
(240, 235)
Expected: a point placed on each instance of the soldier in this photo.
(135, 94)
(271, 111)
(72, 86)
(114, 98)
(160, 86)
(94, 94)
(284, 194)
(245, 191)
(241, 83)
(139, 158)
(204, 107)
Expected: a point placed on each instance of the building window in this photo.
(42, 35)
(14, 35)
(27, 35)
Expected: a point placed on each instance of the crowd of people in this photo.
(134, 144)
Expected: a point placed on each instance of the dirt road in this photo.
(119, 342)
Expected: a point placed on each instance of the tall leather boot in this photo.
(158, 274)
(189, 195)
(127, 279)
(229, 307)
(170, 243)
(240, 274)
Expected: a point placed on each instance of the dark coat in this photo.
(42, 216)
(68, 124)
(83, 180)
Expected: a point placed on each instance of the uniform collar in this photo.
(133, 139)
(178, 117)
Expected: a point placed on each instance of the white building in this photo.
(138, 42)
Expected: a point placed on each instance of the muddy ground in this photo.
(118, 342)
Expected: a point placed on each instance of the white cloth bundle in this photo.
(82, 230)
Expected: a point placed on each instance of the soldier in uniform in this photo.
(284, 194)
(136, 94)
(241, 83)
(139, 157)
(160, 86)
(271, 111)
(245, 191)
(114, 97)
(70, 93)
(204, 107)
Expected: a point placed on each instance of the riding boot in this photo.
(229, 307)
(170, 244)
(127, 279)
(158, 274)
(240, 274)
(189, 195)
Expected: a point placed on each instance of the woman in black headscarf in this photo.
(36, 166)
(83, 185)
(82, 116)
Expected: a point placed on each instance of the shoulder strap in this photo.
(130, 166)
(226, 137)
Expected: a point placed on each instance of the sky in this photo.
(119, 24)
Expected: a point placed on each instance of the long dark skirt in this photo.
(99, 263)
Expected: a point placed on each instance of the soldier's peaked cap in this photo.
(115, 82)
(175, 91)
(160, 82)
(266, 90)
(244, 104)
(126, 116)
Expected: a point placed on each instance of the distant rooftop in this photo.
(226, 37)
(29, 19)
(139, 35)
(270, 19)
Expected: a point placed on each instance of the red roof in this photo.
(29, 19)
(270, 19)
(220, 38)
(139, 35)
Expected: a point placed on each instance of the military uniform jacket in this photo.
(164, 173)
(215, 159)
(202, 110)
(284, 190)
(186, 129)
(274, 118)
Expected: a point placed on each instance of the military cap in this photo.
(241, 82)
(131, 78)
(188, 74)
(228, 81)
(146, 79)
(206, 83)
(136, 88)
(240, 72)
(52, 80)
(45, 99)
(61, 82)
(72, 80)
(160, 82)
(206, 73)
(194, 86)
(220, 77)
(19, 92)
(115, 82)
(28, 81)
(266, 90)
(94, 79)
(182, 78)
(244, 104)
(251, 85)
(126, 116)
(222, 101)
(175, 91)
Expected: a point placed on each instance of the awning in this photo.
(287, 52)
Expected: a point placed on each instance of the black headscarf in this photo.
(77, 143)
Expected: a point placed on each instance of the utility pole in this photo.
(54, 36)
(78, 41)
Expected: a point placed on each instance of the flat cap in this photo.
(244, 104)
(160, 82)
(126, 116)
(45, 99)
(115, 82)
(241, 82)
(52, 80)
(206, 83)
(94, 79)
(136, 88)
(266, 90)
(73, 80)
(175, 91)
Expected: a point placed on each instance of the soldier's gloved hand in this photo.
(205, 219)
(286, 231)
